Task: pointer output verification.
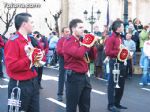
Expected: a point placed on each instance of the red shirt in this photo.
(112, 45)
(59, 47)
(17, 63)
(74, 54)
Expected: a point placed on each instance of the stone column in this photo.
(125, 11)
(65, 13)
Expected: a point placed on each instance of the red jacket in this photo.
(17, 63)
(59, 47)
(112, 45)
(74, 54)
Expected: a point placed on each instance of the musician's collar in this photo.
(77, 37)
(117, 33)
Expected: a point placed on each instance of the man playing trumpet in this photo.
(76, 57)
(118, 56)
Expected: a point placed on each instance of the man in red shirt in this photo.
(78, 87)
(112, 49)
(61, 78)
(18, 65)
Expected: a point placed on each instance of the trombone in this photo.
(14, 101)
(116, 74)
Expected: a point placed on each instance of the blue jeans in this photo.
(142, 58)
(146, 73)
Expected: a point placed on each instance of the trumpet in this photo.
(14, 101)
(116, 74)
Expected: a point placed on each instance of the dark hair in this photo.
(38, 34)
(73, 23)
(86, 31)
(20, 18)
(116, 24)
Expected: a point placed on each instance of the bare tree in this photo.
(56, 17)
(8, 21)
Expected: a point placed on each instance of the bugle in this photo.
(116, 74)
(14, 101)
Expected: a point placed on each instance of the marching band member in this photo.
(18, 65)
(61, 78)
(116, 55)
(76, 57)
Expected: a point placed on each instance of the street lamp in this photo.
(125, 12)
(91, 19)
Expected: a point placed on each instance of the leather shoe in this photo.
(113, 109)
(121, 107)
(59, 98)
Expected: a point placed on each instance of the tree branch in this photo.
(2, 20)
(48, 24)
(14, 13)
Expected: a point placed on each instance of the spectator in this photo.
(143, 37)
(130, 44)
(1, 56)
(145, 80)
(42, 44)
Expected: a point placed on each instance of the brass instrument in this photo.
(14, 101)
(123, 53)
(116, 74)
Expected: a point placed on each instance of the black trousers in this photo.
(61, 78)
(115, 94)
(40, 72)
(99, 71)
(78, 89)
(29, 96)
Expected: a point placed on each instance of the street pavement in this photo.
(136, 98)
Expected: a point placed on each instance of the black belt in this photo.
(78, 73)
(28, 80)
(73, 72)
(114, 59)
